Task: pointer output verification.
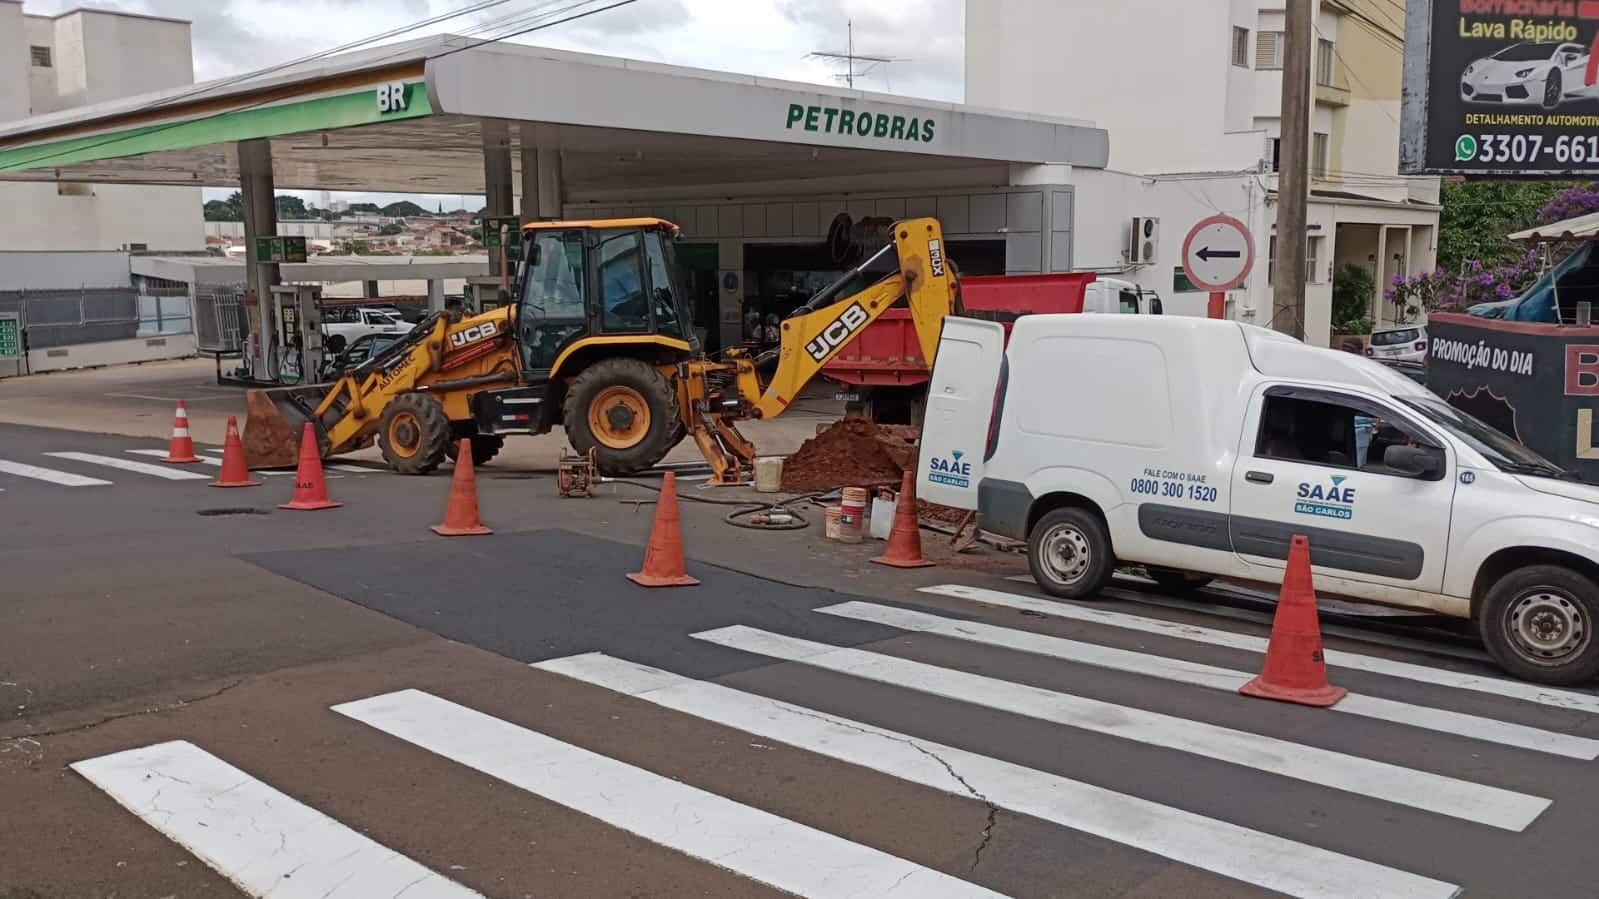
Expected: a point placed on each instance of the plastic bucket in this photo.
(852, 514)
(768, 474)
(831, 517)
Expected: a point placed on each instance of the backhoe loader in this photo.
(598, 340)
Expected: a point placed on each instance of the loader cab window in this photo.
(624, 304)
(664, 295)
(552, 313)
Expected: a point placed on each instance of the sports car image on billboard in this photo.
(1545, 73)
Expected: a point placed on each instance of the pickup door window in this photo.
(1312, 464)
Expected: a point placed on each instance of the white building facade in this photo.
(80, 58)
(1190, 93)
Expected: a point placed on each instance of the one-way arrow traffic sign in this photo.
(1218, 253)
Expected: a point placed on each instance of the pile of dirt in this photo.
(850, 453)
(927, 511)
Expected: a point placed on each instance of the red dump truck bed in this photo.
(887, 352)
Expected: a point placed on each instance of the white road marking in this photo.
(156, 471)
(262, 840)
(738, 838)
(64, 478)
(1365, 777)
(207, 460)
(1441, 720)
(1549, 696)
(1247, 855)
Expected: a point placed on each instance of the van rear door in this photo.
(960, 402)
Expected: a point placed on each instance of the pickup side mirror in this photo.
(1418, 462)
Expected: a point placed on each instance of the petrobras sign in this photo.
(865, 124)
(1501, 87)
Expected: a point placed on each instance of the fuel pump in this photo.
(299, 311)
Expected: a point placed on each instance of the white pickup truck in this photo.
(344, 325)
(1199, 448)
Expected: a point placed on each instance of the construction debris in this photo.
(847, 454)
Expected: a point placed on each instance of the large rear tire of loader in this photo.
(414, 433)
(626, 411)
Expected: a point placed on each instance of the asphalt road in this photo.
(341, 704)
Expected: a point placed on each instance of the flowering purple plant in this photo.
(1473, 284)
(1570, 203)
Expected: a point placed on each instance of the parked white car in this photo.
(1405, 344)
(1546, 73)
(343, 325)
(1199, 448)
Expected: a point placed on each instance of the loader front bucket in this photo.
(273, 422)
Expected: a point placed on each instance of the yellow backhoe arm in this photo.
(810, 339)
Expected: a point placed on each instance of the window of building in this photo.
(40, 56)
(1240, 47)
(1274, 153)
(1271, 260)
(1325, 54)
(1312, 260)
(74, 189)
(1269, 50)
(1318, 155)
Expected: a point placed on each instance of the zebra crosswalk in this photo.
(76, 468)
(272, 844)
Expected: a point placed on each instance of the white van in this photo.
(1198, 448)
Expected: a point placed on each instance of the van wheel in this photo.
(1173, 580)
(1069, 553)
(1538, 623)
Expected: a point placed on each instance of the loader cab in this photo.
(615, 279)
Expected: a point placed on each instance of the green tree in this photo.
(290, 207)
(1353, 293)
(390, 229)
(229, 210)
(1478, 214)
(403, 209)
(361, 248)
(365, 207)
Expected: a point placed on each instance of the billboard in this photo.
(1502, 87)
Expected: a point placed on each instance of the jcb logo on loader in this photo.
(838, 333)
(467, 336)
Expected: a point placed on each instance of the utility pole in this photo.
(1293, 179)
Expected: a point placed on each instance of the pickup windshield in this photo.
(1506, 454)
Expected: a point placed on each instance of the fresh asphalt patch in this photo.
(547, 594)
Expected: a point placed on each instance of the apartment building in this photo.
(80, 58)
(1191, 95)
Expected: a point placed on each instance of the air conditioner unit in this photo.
(1143, 245)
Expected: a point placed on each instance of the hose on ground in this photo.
(745, 508)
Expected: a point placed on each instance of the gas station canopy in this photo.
(410, 118)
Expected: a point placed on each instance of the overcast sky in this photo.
(761, 37)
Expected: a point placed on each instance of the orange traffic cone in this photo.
(663, 559)
(905, 539)
(234, 472)
(460, 513)
(1295, 669)
(181, 450)
(310, 487)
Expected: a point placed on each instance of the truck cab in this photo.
(1115, 297)
(1200, 448)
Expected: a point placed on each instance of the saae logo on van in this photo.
(951, 471)
(1327, 501)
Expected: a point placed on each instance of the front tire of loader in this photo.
(626, 411)
(414, 434)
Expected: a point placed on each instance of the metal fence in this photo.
(55, 318)
(220, 324)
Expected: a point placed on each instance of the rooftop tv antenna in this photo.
(850, 59)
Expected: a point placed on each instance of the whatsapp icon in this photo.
(1465, 148)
